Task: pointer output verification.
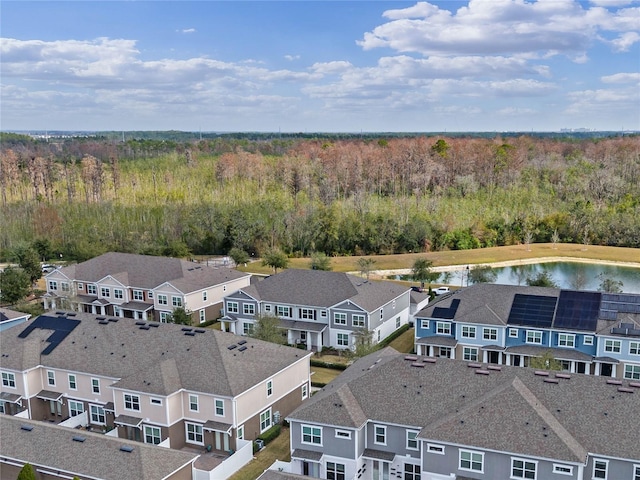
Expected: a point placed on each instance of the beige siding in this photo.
(174, 405)
(206, 408)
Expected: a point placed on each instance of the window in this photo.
(249, 309)
(92, 290)
(137, 295)
(204, 296)
(247, 328)
(632, 372)
(240, 432)
(219, 407)
(445, 352)
(381, 314)
(470, 354)
(636, 472)
(534, 336)
(80, 286)
(397, 323)
(202, 316)
(566, 340)
(283, 311)
(471, 461)
(588, 340)
(305, 391)
(490, 333)
(412, 440)
(95, 385)
(311, 435)
(105, 292)
(513, 332)
(307, 314)
(64, 286)
(162, 299)
(523, 469)
(269, 388)
(357, 320)
(424, 324)
(118, 293)
(176, 301)
(51, 378)
(97, 414)
(150, 294)
(75, 408)
(265, 420)
(73, 385)
(612, 346)
(323, 314)
(411, 471)
(164, 317)
(193, 403)
(346, 434)
(343, 339)
(380, 435)
(232, 307)
(563, 469)
(468, 332)
(152, 435)
(8, 380)
(340, 318)
(443, 328)
(194, 433)
(335, 471)
(439, 449)
(132, 402)
(267, 308)
(634, 348)
(53, 285)
(600, 469)
(156, 401)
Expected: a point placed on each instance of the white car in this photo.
(441, 290)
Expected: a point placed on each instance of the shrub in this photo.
(394, 335)
(270, 434)
(334, 366)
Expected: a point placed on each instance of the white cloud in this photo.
(187, 30)
(622, 78)
(292, 57)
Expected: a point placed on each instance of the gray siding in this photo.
(396, 440)
(331, 445)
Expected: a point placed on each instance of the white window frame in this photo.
(105, 292)
(612, 346)
(342, 339)
(248, 309)
(219, 407)
(95, 385)
(534, 337)
(269, 388)
(194, 401)
(471, 461)
(468, 331)
(204, 295)
(176, 301)
(606, 468)
(424, 324)
(469, 352)
(343, 434)
(265, 420)
(232, 307)
(150, 294)
(51, 378)
(92, 289)
(80, 286)
(336, 471)
(323, 313)
(444, 352)
(634, 348)
(307, 314)
(567, 340)
(8, 379)
(240, 432)
(73, 381)
(96, 412)
(513, 333)
(202, 316)
(443, 328)
(636, 472)
(358, 320)
(587, 340)
(525, 463)
(412, 440)
(310, 433)
(64, 286)
(150, 431)
(562, 469)
(247, 328)
(267, 308)
(490, 334)
(436, 449)
(383, 434)
(163, 299)
(194, 432)
(155, 401)
(53, 285)
(631, 371)
(305, 391)
(138, 295)
(283, 311)
(118, 293)
(164, 317)
(133, 400)
(340, 318)
(77, 407)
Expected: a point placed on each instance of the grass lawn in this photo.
(323, 375)
(471, 257)
(278, 449)
(404, 343)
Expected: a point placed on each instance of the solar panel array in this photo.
(61, 326)
(578, 310)
(447, 313)
(532, 310)
(621, 302)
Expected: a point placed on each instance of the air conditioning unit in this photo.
(276, 417)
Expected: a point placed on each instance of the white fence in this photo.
(77, 421)
(231, 465)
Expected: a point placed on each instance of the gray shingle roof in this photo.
(98, 456)
(510, 410)
(157, 360)
(324, 289)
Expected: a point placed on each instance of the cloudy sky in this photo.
(331, 66)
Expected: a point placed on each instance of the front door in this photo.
(606, 369)
(380, 470)
(311, 469)
(494, 357)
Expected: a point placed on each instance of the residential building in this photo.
(319, 308)
(392, 415)
(9, 318)
(142, 287)
(594, 333)
(149, 382)
(56, 452)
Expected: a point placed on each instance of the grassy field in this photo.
(472, 257)
(278, 449)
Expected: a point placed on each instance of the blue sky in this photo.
(330, 66)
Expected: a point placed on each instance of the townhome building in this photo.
(142, 287)
(9, 318)
(320, 309)
(397, 416)
(162, 384)
(594, 333)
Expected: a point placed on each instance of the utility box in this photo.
(259, 443)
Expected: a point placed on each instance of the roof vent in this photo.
(242, 348)
(626, 390)
(186, 329)
(566, 376)
(614, 382)
(59, 313)
(154, 324)
(141, 322)
(126, 448)
(200, 330)
(190, 333)
(242, 342)
(78, 438)
(144, 327)
(103, 322)
(411, 358)
(482, 372)
(100, 318)
(634, 384)
(418, 364)
(26, 428)
(231, 347)
(72, 314)
(474, 365)
(113, 319)
(541, 373)
(429, 360)
(551, 380)
(496, 368)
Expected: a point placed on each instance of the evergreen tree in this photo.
(14, 285)
(27, 473)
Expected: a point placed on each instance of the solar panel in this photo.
(577, 310)
(61, 327)
(532, 310)
(447, 313)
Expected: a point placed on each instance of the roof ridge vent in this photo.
(126, 448)
(78, 438)
(26, 427)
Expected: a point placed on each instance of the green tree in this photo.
(29, 261)
(365, 264)
(276, 259)
(421, 271)
(180, 316)
(267, 328)
(238, 255)
(320, 261)
(14, 285)
(545, 362)
(440, 148)
(482, 274)
(609, 285)
(43, 247)
(27, 473)
(541, 279)
(363, 341)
